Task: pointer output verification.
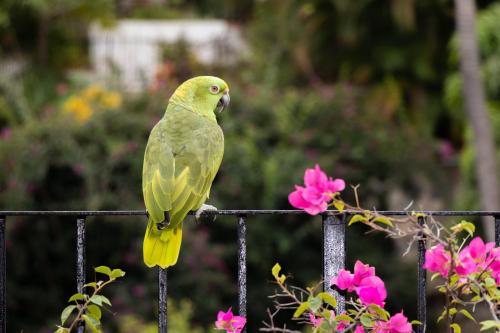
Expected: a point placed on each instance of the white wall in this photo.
(133, 46)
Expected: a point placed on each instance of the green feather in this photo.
(182, 157)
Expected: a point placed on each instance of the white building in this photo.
(133, 47)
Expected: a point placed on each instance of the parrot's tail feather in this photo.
(162, 247)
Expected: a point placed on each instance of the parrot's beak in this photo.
(223, 102)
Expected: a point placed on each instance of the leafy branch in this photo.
(88, 306)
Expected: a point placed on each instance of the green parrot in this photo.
(182, 157)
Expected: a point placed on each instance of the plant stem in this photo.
(82, 308)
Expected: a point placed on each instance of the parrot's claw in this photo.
(163, 224)
(199, 213)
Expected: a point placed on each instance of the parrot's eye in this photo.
(214, 89)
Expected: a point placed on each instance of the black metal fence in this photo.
(334, 253)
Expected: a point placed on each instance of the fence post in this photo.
(162, 300)
(334, 251)
(80, 262)
(242, 266)
(421, 283)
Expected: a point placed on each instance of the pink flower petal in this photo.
(344, 280)
(362, 271)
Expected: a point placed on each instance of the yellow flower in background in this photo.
(78, 107)
(111, 100)
(92, 92)
(93, 98)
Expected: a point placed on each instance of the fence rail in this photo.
(334, 253)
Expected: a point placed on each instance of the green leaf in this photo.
(475, 299)
(94, 311)
(343, 317)
(467, 314)
(441, 317)
(379, 311)
(383, 220)
(103, 270)
(61, 330)
(416, 322)
(276, 270)
(357, 218)
(339, 204)
(328, 298)
(488, 324)
(327, 314)
(366, 321)
(301, 309)
(117, 273)
(90, 284)
(489, 282)
(464, 225)
(91, 324)
(315, 303)
(76, 297)
(435, 275)
(456, 328)
(66, 312)
(99, 299)
(454, 279)
(276, 273)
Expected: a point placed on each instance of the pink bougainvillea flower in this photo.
(475, 257)
(318, 191)
(399, 324)
(309, 199)
(396, 324)
(229, 322)
(316, 322)
(372, 290)
(478, 250)
(438, 260)
(318, 179)
(342, 324)
(359, 329)
(362, 271)
(344, 280)
(495, 268)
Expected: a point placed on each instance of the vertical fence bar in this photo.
(242, 266)
(421, 284)
(80, 261)
(3, 278)
(334, 251)
(497, 230)
(162, 300)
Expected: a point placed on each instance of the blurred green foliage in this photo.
(355, 86)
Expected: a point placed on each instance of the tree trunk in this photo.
(475, 108)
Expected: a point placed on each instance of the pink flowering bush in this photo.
(469, 271)
(230, 323)
(365, 311)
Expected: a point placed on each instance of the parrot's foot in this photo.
(199, 213)
(165, 222)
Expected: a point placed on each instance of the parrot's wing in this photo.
(200, 158)
(158, 175)
(178, 174)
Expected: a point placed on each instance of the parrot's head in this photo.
(203, 94)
